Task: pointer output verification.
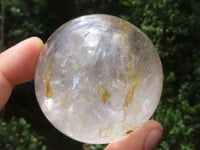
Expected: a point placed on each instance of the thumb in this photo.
(144, 138)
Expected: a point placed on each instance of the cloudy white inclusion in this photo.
(92, 37)
(75, 81)
(48, 103)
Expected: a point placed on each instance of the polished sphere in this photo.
(98, 78)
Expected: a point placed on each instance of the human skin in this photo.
(17, 65)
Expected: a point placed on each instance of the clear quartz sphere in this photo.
(98, 78)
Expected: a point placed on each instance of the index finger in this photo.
(17, 65)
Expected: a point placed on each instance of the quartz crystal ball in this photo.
(98, 78)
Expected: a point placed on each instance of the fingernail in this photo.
(152, 139)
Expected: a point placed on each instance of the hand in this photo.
(145, 138)
(17, 65)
